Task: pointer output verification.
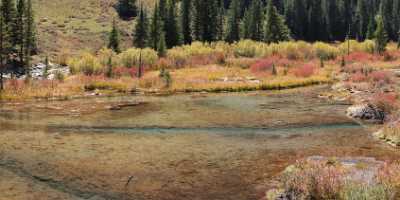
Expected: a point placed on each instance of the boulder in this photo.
(366, 112)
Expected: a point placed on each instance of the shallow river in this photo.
(199, 146)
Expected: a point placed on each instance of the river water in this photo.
(191, 146)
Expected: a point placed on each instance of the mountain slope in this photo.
(70, 26)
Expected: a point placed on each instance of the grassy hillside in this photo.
(70, 26)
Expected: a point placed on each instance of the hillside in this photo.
(69, 26)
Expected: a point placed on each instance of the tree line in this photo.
(17, 36)
(173, 22)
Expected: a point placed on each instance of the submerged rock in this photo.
(366, 112)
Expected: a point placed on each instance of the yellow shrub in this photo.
(131, 57)
(250, 49)
(325, 51)
(104, 56)
(85, 63)
(367, 46)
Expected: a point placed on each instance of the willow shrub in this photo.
(131, 57)
(325, 51)
(367, 46)
(86, 63)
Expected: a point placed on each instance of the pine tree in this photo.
(2, 51)
(30, 35)
(127, 9)
(371, 28)
(276, 29)
(362, 19)
(197, 20)
(245, 24)
(20, 25)
(161, 47)
(398, 40)
(113, 41)
(256, 20)
(385, 10)
(233, 28)
(155, 28)
(141, 35)
(220, 35)
(381, 38)
(8, 10)
(186, 8)
(172, 31)
(316, 22)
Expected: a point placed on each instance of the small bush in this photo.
(87, 64)
(325, 51)
(131, 57)
(304, 71)
(387, 102)
(263, 65)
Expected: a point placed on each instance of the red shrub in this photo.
(380, 76)
(358, 77)
(306, 70)
(385, 101)
(263, 65)
(361, 57)
(123, 71)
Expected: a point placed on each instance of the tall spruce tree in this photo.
(245, 24)
(156, 28)
(113, 41)
(256, 20)
(275, 27)
(127, 9)
(161, 46)
(233, 26)
(172, 31)
(381, 38)
(220, 21)
(30, 36)
(141, 33)
(186, 8)
(20, 29)
(362, 18)
(197, 20)
(8, 10)
(371, 28)
(3, 53)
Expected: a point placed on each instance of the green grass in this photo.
(76, 25)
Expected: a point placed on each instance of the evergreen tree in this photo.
(155, 28)
(256, 21)
(371, 28)
(275, 29)
(2, 51)
(141, 35)
(20, 22)
(362, 19)
(245, 24)
(398, 40)
(161, 47)
(220, 21)
(8, 10)
(172, 31)
(385, 10)
(396, 15)
(127, 9)
(381, 38)
(316, 23)
(30, 35)
(186, 8)
(233, 28)
(197, 20)
(113, 41)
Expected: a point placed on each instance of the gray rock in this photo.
(366, 112)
